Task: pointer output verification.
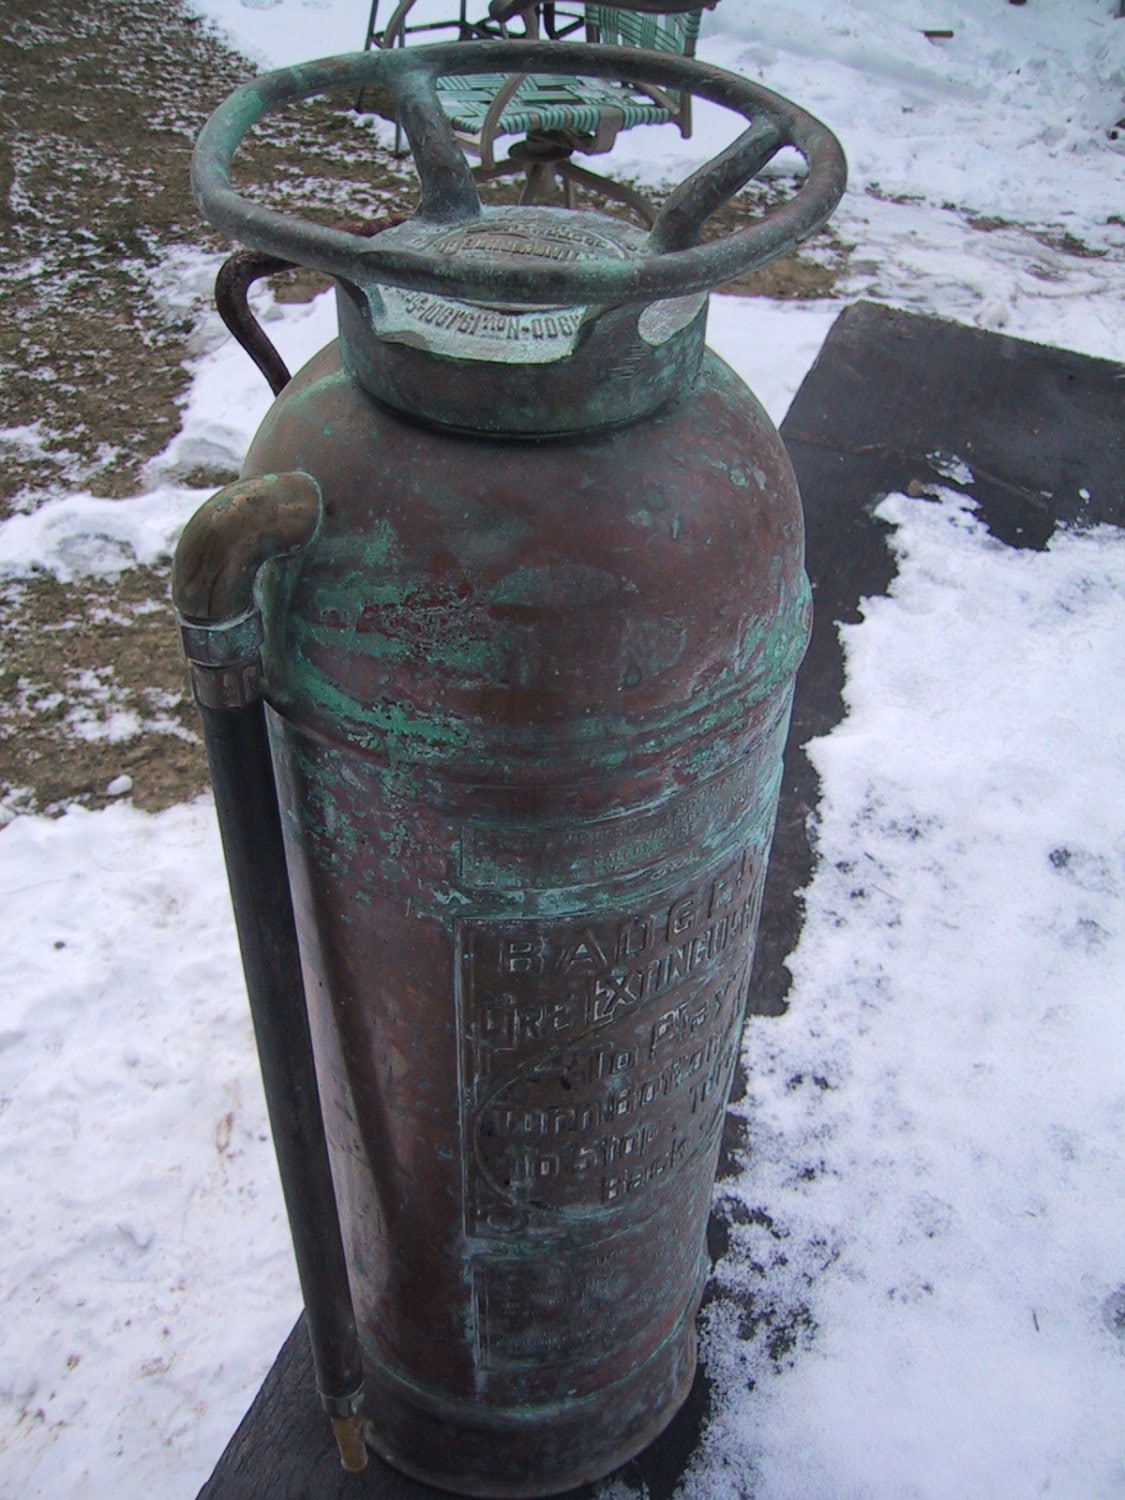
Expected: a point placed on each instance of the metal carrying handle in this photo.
(674, 263)
(237, 275)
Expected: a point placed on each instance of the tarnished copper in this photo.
(528, 690)
(529, 702)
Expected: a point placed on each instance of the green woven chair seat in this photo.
(626, 28)
(544, 103)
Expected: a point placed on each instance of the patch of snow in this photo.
(949, 466)
(31, 438)
(937, 1126)
(135, 1192)
(228, 397)
(772, 345)
(82, 535)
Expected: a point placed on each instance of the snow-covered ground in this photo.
(936, 1179)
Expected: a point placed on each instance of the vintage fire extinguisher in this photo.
(494, 645)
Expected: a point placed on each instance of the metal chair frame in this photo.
(396, 32)
(556, 25)
(556, 116)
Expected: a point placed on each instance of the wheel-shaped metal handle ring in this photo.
(672, 265)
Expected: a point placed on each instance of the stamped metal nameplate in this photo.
(597, 1054)
(498, 332)
(564, 240)
(467, 330)
(596, 1062)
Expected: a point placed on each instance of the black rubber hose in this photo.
(217, 561)
(238, 753)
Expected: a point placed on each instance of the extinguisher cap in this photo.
(517, 368)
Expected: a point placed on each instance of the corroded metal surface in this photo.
(583, 322)
(673, 264)
(529, 687)
(528, 704)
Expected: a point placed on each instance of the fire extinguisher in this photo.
(494, 645)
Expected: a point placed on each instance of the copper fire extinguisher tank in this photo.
(528, 661)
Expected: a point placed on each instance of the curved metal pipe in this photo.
(228, 539)
(237, 274)
(222, 549)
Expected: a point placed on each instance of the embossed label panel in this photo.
(546, 1307)
(500, 333)
(597, 1053)
(470, 331)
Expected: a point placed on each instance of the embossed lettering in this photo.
(599, 1051)
(584, 952)
(522, 956)
(432, 311)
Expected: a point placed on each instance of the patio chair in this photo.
(467, 30)
(555, 116)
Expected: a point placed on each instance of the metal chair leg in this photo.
(619, 192)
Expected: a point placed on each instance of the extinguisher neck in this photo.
(517, 369)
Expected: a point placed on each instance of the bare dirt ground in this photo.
(99, 107)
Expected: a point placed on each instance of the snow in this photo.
(927, 1233)
(131, 1111)
(936, 1126)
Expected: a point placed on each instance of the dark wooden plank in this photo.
(891, 397)
(284, 1450)
(1036, 425)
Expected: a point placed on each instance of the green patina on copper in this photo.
(531, 688)
(608, 742)
(428, 639)
(674, 264)
(364, 615)
(384, 724)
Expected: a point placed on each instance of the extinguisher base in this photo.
(528, 1454)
